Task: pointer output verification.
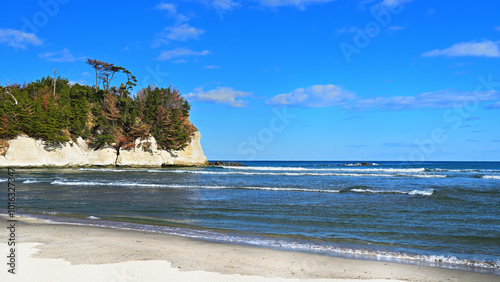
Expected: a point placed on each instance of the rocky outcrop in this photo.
(146, 153)
(191, 154)
(24, 151)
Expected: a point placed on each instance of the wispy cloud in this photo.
(447, 98)
(171, 9)
(494, 106)
(18, 39)
(182, 32)
(63, 56)
(497, 28)
(394, 3)
(334, 96)
(301, 4)
(314, 96)
(220, 95)
(180, 52)
(81, 82)
(485, 48)
(212, 67)
(224, 5)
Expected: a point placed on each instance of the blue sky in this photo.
(288, 79)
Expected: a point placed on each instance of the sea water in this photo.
(444, 214)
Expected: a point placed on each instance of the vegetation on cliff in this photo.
(107, 115)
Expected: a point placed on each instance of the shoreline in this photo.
(265, 243)
(97, 246)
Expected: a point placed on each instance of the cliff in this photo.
(24, 151)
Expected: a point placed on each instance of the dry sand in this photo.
(54, 252)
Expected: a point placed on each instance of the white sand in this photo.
(35, 269)
(52, 252)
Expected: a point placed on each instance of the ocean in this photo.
(443, 214)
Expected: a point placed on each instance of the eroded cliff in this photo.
(24, 151)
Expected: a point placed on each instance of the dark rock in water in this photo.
(220, 163)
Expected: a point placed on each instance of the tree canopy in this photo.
(103, 116)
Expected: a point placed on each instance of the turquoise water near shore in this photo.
(444, 214)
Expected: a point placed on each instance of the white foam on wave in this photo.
(361, 174)
(428, 175)
(450, 260)
(280, 173)
(112, 170)
(294, 189)
(413, 192)
(93, 217)
(130, 184)
(148, 185)
(174, 186)
(491, 177)
(290, 245)
(31, 181)
(360, 169)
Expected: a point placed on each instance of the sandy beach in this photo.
(55, 252)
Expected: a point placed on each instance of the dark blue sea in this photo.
(444, 214)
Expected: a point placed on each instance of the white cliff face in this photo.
(24, 151)
(193, 153)
(144, 153)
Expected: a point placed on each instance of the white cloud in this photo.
(224, 5)
(220, 95)
(485, 48)
(63, 56)
(314, 96)
(394, 3)
(212, 67)
(180, 52)
(182, 32)
(81, 82)
(297, 3)
(447, 98)
(172, 11)
(167, 7)
(334, 96)
(18, 39)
